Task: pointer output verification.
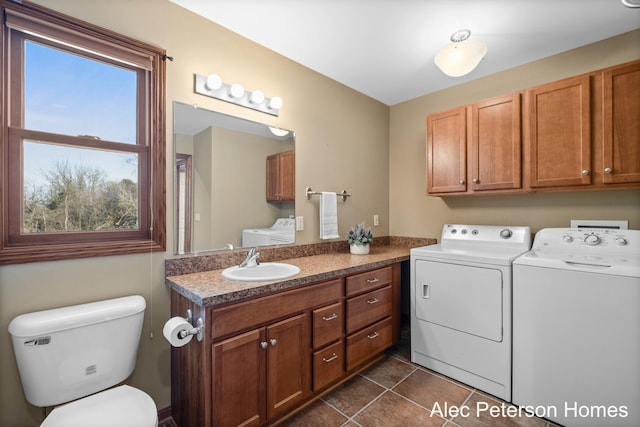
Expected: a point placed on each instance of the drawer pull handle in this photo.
(373, 301)
(373, 335)
(330, 359)
(374, 280)
(333, 316)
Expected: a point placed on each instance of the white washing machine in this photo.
(576, 327)
(461, 304)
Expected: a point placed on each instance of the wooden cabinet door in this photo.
(495, 144)
(286, 167)
(446, 151)
(272, 177)
(239, 380)
(288, 364)
(621, 124)
(558, 133)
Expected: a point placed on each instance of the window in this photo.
(82, 141)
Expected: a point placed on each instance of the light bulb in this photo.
(275, 103)
(257, 97)
(214, 82)
(236, 91)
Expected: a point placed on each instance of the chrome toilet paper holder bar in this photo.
(198, 328)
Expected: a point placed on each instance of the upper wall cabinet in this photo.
(621, 124)
(558, 133)
(476, 148)
(580, 133)
(281, 177)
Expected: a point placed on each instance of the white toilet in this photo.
(71, 354)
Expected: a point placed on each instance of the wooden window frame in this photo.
(26, 21)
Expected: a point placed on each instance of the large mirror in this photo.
(234, 182)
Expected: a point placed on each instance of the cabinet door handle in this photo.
(330, 359)
(474, 180)
(373, 301)
(273, 342)
(264, 345)
(608, 170)
(461, 182)
(585, 172)
(333, 316)
(374, 280)
(373, 335)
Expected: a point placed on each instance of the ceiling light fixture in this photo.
(461, 56)
(278, 131)
(213, 87)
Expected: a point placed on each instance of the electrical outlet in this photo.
(299, 223)
(196, 216)
(376, 220)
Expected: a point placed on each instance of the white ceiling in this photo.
(385, 48)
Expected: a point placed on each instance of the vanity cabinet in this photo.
(263, 357)
(475, 148)
(281, 177)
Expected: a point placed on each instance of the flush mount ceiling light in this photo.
(213, 86)
(461, 56)
(278, 131)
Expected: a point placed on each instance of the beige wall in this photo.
(413, 213)
(343, 141)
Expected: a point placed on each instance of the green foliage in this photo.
(80, 199)
(360, 235)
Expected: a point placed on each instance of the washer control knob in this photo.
(505, 233)
(567, 238)
(592, 239)
(621, 241)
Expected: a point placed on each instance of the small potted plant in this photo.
(359, 238)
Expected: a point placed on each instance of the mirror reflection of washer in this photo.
(576, 326)
(461, 304)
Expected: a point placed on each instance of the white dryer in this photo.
(281, 232)
(461, 304)
(576, 327)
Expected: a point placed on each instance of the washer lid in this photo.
(120, 406)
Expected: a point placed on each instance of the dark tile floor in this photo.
(395, 392)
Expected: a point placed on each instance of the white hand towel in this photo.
(328, 215)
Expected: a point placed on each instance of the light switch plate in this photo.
(299, 223)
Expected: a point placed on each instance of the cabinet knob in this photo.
(474, 180)
(461, 182)
(608, 170)
(273, 342)
(264, 345)
(585, 172)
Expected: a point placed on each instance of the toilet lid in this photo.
(122, 406)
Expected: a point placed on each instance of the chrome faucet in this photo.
(251, 260)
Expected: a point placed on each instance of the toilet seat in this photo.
(123, 406)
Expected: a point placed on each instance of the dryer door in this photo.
(461, 297)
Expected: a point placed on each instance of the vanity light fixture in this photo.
(461, 56)
(213, 86)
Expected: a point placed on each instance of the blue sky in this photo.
(73, 95)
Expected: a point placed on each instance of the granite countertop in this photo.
(209, 288)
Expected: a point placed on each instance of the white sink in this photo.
(262, 272)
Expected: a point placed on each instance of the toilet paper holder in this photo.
(198, 329)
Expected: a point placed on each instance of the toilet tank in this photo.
(67, 353)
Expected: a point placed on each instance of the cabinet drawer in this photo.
(363, 282)
(328, 365)
(368, 308)
(364, 345)
(327, 324)
(249, 314)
